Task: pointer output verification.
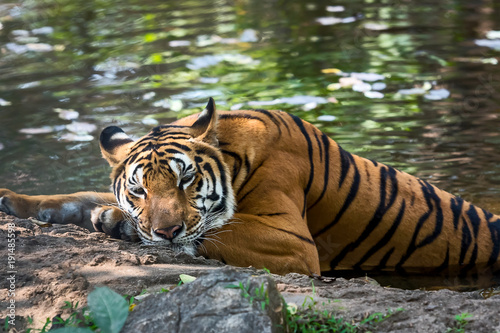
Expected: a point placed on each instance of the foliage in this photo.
(259, 294)
(106, 313)
(309, 319)
(460, 323)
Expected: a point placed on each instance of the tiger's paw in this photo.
(13, 204)
(112, 221)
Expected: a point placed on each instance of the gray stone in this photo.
(212, 303)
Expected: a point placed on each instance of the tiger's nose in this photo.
(170, 232)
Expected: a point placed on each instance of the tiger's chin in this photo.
(175, 247)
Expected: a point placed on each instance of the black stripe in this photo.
(246, 194)
(472, 262)
(270, 116)
(305, 239)
(429, 195)
(384, 240)
(240, 116)
(383, 262)
(466, 241)
(178, 145)
(487, 215)
(474, 219)
(345, 164)
(319, 146)
(326, 178)
(387, 174)
(494, 228)
(223, 179)
(170, 136)
(444, 264)
(349, 199)
(249, 176)
(270, 214)
(238, 162)
(302, 128)
(456, 208)
(166, 127)
(284, 122)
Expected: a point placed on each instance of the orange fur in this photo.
(302, 203)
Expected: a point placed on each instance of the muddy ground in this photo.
(65, 262)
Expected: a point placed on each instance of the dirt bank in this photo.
(64, 263)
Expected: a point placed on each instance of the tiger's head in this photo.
(172, 183)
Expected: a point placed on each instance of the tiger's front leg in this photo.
(281, 243)
(114, 222)
(90, 210)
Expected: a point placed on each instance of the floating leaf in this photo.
(176, 105)
(294, 100)
(150, 121)
(412, 91)
(38, 130)
(437, 94)
(81, 128)
(148, 96)
(370, 77)
(249, 36)
(373, 94)
(43, 31)
(212, 60)
(491, 43)
(209, 80)
(331, 71)
(69, 114)
(334, 20)
(361, 87)
(326, 117)
(109, 309)
(309, 106)
(375, 26)
(179, 43)
(76, 137)
(334, 86)
(335, 9)
(3, 102)
(186, 278)
(39, 47)
(349, 81)
(493, 34)
(379, 86)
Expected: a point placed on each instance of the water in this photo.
(433, 70)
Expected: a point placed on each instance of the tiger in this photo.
(267, 189)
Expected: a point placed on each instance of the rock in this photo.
(212, 303)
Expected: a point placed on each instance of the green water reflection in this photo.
(135, 63)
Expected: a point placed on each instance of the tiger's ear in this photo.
(115, 145)
(205, 127)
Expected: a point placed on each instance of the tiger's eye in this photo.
(139, 191)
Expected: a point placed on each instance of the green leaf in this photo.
(72, 330)
(186, 278)
(109, 309)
